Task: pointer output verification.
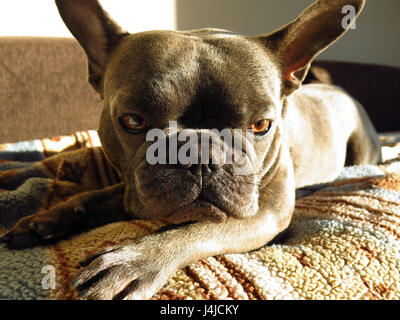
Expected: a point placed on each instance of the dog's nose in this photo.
(201, 169)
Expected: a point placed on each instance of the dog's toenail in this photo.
(84, 294)
(75, 282)
(79, 210)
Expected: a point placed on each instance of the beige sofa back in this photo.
(43, 89)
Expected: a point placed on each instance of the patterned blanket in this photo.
(343, 242)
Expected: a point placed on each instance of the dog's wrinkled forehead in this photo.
(194, 74)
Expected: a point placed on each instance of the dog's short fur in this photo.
(204, 79)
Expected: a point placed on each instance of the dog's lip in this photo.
(200, 207)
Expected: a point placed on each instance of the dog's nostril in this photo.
(214, 166)
(186, 166)
(202, 169)
(195, 169)
(205, 170)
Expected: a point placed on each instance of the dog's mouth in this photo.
(176, 193)
(198, 210)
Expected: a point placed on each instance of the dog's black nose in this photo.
(201, 169)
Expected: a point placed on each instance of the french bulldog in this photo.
(203, 80)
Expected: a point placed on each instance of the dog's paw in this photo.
(29, 231)
(135, 271)
(40, 228)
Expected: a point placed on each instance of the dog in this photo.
(203, 80)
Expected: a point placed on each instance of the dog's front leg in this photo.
(86, 210)
(138, 269)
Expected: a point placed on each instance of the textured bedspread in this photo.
(343, 242)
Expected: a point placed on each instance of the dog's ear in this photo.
(96, 32)
(299, 42)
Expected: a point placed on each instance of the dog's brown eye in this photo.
(261, 127)
(133, 123)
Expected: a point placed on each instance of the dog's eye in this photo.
(261, 127)
(133, 123)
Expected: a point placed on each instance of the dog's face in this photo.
(203, 80)
(154, 78)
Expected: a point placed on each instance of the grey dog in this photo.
(203, 79)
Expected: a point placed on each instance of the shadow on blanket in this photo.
(343, 242)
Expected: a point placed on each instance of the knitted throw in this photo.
(343, 241)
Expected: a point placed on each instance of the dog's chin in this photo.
(177, 194)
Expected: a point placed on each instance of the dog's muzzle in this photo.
(204, 179)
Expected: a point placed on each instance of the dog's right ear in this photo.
(96, 32)
(295, 45)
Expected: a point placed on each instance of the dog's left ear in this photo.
(298, 43)
(95, 31)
